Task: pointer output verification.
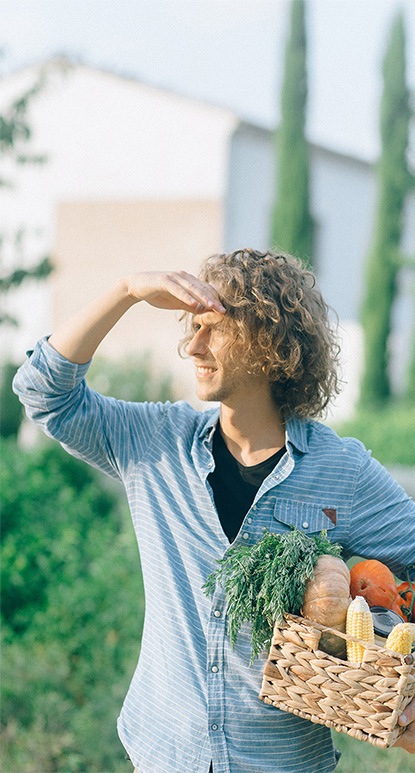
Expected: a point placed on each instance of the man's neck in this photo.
(252, 430)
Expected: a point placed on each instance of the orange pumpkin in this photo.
(326, 600)
(375, 582)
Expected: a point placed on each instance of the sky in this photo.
(228, 52)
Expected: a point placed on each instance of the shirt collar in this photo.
(208, 423)
(296, 429)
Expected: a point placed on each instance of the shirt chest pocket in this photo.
(308, 518)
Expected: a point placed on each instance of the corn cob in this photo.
(359, 623)
(400, 639)
(411, 626)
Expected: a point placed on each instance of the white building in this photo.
(138, 178)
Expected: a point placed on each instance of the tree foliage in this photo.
(15, 129)
(292, 223)
(387, 430)
(133, 378)
(72, 613)
(11, 410)
(410, 375)
(15, 138)
(384, 258)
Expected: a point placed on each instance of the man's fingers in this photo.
(408, 714)
(175, 290)
(188, 301)
(204, 293)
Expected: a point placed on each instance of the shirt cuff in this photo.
(55, 367)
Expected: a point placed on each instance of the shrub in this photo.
(73, 611)
(388, 432)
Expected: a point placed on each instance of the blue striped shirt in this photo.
(192, 699)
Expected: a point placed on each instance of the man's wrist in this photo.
(129, 288)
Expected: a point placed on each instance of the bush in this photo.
(131, 378)
(11, 410)
(387, 431)
(73, 612)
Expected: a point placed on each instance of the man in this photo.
(260, 339)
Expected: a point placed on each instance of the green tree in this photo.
(410, 375)
(292, 223)
(15, 137)
(384, 259)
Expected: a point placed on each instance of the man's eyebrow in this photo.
(200, 319)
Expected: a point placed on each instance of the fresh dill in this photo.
(264, 580)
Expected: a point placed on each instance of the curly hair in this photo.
(279, 319)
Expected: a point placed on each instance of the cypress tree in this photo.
(292, 224)
(410, 384)
(393, 182)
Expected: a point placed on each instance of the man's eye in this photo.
(195, 328)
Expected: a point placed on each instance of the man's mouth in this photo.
(202, 371)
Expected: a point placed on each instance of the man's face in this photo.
(218, 377)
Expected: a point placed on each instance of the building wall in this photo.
(98, 242)
(250, 189)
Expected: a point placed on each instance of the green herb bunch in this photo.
(264, 580)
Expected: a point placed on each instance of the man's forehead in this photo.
(208, 318)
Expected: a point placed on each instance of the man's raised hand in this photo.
(174, 290)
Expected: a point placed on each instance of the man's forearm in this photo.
(78, 338)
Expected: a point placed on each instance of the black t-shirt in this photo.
(234, 486)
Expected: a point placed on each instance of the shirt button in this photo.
(254, 507)
(249, 520)
(214, 727)
(210, 464)
(245, 535)
(217, 613)
(215, 669)
(305, 525)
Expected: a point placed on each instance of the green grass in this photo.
(363, 757)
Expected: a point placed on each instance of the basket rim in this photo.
(406, 660)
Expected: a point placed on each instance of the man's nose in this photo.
(197, 345)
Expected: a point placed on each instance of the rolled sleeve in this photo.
(53, 367)
(105, 432)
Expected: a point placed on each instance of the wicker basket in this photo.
(363, 700)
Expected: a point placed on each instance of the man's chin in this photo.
(204, 395)
(210, 395)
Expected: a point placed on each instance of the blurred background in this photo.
(141, 135)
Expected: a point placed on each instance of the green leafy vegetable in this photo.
(264, 580)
